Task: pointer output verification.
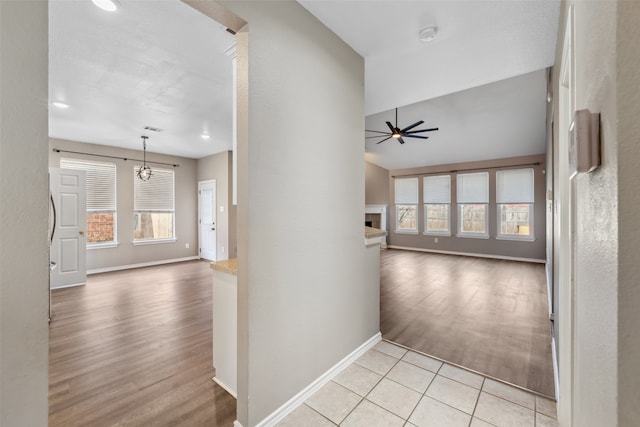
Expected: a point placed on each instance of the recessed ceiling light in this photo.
(108, 5)
(205, 136)
(428, 34)
(60, 104)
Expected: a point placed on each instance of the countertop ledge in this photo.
(229, 266)
(370, 232)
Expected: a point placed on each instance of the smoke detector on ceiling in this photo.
(428, 34)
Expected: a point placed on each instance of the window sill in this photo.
(433, 233)
(153, 241)
(405, 231)
(473, 236)
(516, 239)
(92, 246)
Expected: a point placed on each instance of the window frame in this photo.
(158, 240)
(528, 198)
(406, 204)
(461, 205)
(522, 237)
(442, 202)
(111, 165)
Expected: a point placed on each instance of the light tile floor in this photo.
(389, 386)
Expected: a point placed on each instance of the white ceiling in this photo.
(162, 64)
(478, 42)
(150, 63)
(498, 120)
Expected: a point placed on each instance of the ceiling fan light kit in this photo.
(398, 134)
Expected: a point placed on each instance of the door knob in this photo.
(212, 229)
(81, 232)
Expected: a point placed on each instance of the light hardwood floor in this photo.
(487, 315)
(134, 348)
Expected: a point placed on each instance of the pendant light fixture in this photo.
(144, 173)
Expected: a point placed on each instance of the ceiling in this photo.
(163, 64)
(149, 63)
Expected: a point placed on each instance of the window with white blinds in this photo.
(473, 201)
(515, 199)
(154, 205)
(406, 201)
(437, 203)
(101, 199)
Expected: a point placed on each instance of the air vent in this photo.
(152, 129)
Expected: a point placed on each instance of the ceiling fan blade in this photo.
(377, 136)
(412, 126)
(376, 131)
(400, 140)
(416, 136)
(421, 130)
(383, 140)
(393, 130)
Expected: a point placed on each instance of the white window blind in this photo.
(101, 183)
(437, 189)
(514, 186)
(473, 187)
(406, 190)
(155, 195)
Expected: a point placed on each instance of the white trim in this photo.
(92, 246)
(472, 236)
(508, 258)
(406, 231)
(142, 264)
(73, 285)
(284, 410)
(226, 387)
(154, 241)
(236, 423)
(554, 355)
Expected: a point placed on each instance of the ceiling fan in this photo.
(398, 133)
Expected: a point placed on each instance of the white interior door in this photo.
(207, 219)
(69, 245)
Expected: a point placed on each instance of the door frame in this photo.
(565, 221)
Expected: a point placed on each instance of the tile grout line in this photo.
(362, 398)
(535, 393)
(424, 393)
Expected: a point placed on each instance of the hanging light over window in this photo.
(144, 173)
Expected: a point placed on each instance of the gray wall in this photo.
(218, 167)
(491, 246)
(607, 210)
(24, 256)
(628, 107)
(376, 185)
(186, 202)
(304, 303)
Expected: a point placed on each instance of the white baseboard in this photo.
(280, 413)
(508, 258)
(142, 264)
(73, 285)
(554, 356)
(226, 387)
(236, 424)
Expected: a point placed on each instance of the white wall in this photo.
(186, 202)
(606, 296)
(303, 300)
(24, 257)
